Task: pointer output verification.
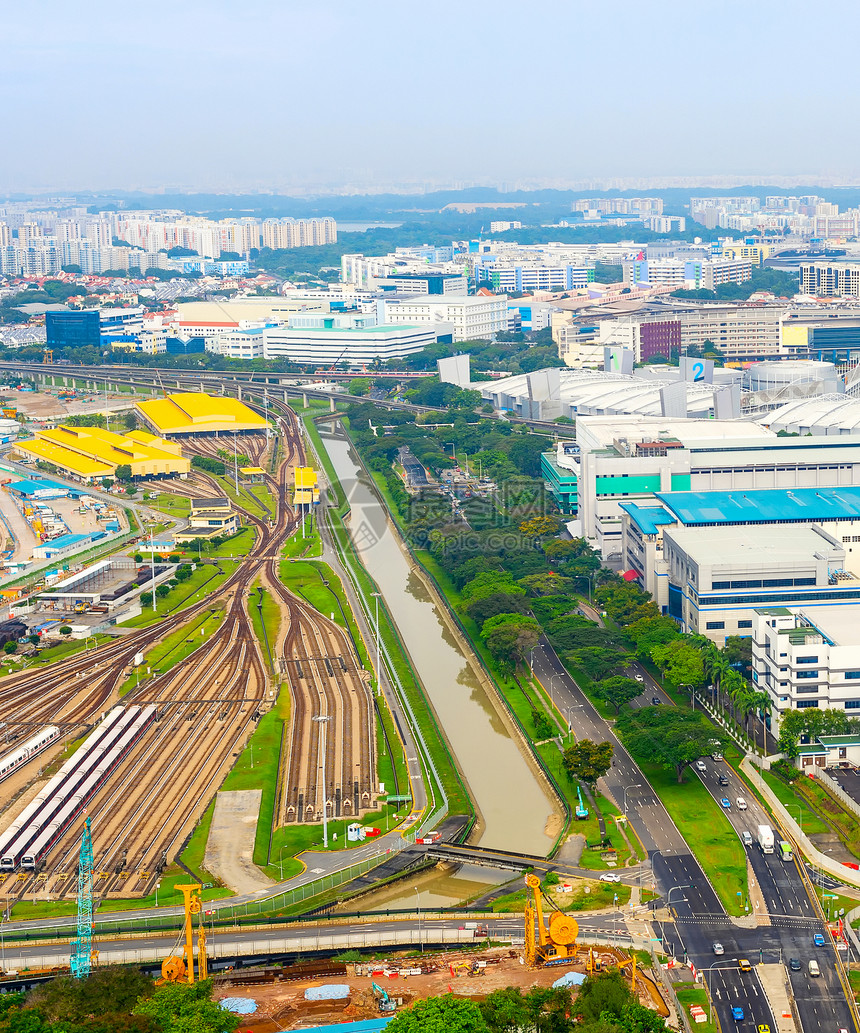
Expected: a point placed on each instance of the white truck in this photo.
(765, 839)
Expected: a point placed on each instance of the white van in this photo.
(741, 803)
(813, 968)
(701, 766)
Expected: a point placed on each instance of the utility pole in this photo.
(323, 720)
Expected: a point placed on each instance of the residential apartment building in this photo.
(506, 275)
(830, 279)
(688, 275)
(471, 318)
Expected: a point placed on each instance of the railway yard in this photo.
(148, 764)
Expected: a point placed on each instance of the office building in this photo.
(830, 279)
(327, 344)
(73, 329)
(688, 275)
(807, 659)
(472, 318)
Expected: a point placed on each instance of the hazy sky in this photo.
(249, 94)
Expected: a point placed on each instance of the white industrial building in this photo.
(618, 460)
(805, 659)
(472, 318)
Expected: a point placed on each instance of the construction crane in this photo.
(180, 968)
(82, 947)
(47, 356)
(552, 942)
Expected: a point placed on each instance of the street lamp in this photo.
(637, 786)
(686, 886)
(156, 893)
(377, 596)
(799, 813)
(322, 720)
(420, 938)
(705, 971)
(568, 710)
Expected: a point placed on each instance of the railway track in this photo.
(208, 705)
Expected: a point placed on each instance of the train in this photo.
(31, 835)
(24, 753)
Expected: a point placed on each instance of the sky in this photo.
(246, 95)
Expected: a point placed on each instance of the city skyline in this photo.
(344, 100)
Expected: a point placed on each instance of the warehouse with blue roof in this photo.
(710, 558)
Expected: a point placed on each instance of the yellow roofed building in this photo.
(198, 413)
(307, 490)
(90, 453)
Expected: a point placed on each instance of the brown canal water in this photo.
(515, 808)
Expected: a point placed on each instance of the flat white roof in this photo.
(838, 623)
(689, 432)
(757, 545)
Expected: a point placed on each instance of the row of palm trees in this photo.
(734, 693)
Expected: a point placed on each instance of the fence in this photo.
(837, 790)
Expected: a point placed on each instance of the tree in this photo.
(107, 993)
(33, 640)
(161, 591)
(11, 647)
(107, 483)
(587, 761)
(509, 637)
(65, 630)
(180, 1008)
(603, 994)
(540, 527)
(146, 598)
(129, 420)
(123, 472)
(447, 1014)
(489, 606)
(681, 662)
(618, 691)
(674, 737)
(598, 662)
(544, 1009)
(360, 386)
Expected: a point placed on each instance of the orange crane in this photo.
(180, 968)
(552, 942)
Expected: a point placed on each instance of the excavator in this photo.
(180, 968)
(552, 942)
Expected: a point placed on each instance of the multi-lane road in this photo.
(791, 922)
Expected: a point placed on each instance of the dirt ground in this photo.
(282, 1005)
(42, 405)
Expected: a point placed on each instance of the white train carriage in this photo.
(17, 758)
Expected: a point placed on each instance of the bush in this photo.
(138, 558)
(785, 770)
(12, 647)
(65, 630)
(544, 727)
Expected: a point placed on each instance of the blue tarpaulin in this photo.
(239, 1005)
(327, 992)
(571, 979)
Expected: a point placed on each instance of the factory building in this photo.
(191, 413)
(89, 453)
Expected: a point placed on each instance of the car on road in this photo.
(744, 965)
(763, 1028)
(656, 701)
(738, 1013)
(813, 968)
(725, 802)
(716, 756)
(719, 948)
(741, 803)
(794, 964)
(701, 765)
(818, 939)
(747, 838)
(639, 677)
(610, 877)
(723, 780)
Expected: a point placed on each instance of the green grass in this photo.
(845, 823)
(810, 823)
(204, 582)
(177, 647)
(300, 546)
(688, 995)
(835, 901)
(600, 895)
(172, 505)
(707, 831)
(195, 851)
(266, 621)
(458, 798)
(68, 648)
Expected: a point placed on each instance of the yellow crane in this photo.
(547, 942)
(180, 968)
